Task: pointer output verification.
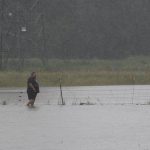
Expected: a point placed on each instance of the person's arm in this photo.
(30, 84)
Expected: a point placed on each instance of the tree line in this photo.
(74, 29)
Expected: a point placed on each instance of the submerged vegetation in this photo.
(133, 70)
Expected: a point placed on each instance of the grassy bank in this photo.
(133, 70)
(15, 79)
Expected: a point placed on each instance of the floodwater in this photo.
(133, 94)
(94, 127)
(103, 126)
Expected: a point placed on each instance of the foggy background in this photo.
(73, 29)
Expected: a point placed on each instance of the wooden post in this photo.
(61, 94)
(133, 80)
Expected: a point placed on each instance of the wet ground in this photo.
(107, 121)
(96, 127)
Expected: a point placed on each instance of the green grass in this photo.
(133, 70)
(16, 79)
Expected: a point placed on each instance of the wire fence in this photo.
(86, 95)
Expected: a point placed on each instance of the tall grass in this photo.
(76, 78)
(133, 70)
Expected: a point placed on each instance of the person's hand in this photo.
(34, 90)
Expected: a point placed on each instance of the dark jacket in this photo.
(34, 83)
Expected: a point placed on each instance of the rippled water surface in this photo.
(79, 95)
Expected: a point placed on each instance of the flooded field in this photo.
(103, 126)
(97, 127)
(79, 95)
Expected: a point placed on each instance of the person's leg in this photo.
(29, 98)
(30, 102)
(33, 100)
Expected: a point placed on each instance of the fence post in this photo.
(133, 81)
(61, 93)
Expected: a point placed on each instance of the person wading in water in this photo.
(32, 89)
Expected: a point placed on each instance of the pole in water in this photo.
(61, 94)
(133, 80)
